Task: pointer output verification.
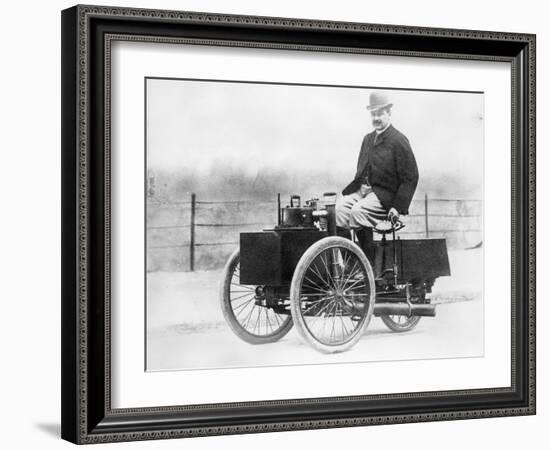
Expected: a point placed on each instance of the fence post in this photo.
(192, 237)
(426, 214)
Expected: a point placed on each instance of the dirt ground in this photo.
(186, 328)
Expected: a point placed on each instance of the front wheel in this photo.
(332, 294)
(246, 316)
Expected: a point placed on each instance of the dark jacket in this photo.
(390, 168)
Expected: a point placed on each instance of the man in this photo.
(386, 176)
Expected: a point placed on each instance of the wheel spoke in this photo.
(316, 303)
(329, 276)
(258, 323)
(243, 286)
(344, 325)
(333, 321)
(354, 272)
(269, 320)
(246, 302)
(242, 296)
(315, 270)
(399, 322)
(247, 313)
(246, 309)
(267, 311)
(317, 287)
(347, 259)
(351, 273)
(336, 257)
(248, 317)
(355, 284)
(334, 315)
(325, 309)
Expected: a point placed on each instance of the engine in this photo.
(314, 214)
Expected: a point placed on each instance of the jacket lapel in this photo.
(374, 141)
(370, 146)
(378, 139)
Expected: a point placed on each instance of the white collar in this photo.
(379, 132)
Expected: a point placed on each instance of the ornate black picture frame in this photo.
(87, 35)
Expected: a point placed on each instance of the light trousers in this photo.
(356, 211)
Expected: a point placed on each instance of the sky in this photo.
(213, 126)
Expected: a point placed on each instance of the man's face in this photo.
(380, 118)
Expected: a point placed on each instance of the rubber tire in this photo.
(229, 315)
(413, 322)
(303, 264)
(410, 325)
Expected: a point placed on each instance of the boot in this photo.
(366, 242)
(364, 237)
(343, 232)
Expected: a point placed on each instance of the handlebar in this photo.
(392, 226)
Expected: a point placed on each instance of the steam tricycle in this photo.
(300, 272)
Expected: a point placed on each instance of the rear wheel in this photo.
(332, 294)
(401, 323)
(244, 312)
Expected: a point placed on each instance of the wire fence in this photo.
(219, 225)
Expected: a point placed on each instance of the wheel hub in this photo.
(338, 295)
(260, 292)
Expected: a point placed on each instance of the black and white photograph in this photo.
(274, 222)
(296, 224)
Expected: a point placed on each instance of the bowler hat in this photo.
(378, 100)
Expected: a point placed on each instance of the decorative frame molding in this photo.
(87, 34)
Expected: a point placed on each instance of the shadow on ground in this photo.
(52, 429)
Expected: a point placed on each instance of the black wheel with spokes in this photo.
(245, 312)
(332, 294)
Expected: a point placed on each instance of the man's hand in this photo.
(364, 190)
(393, 216)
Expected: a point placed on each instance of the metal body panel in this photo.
(417, 259)
(260, 254)
(270, 257)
